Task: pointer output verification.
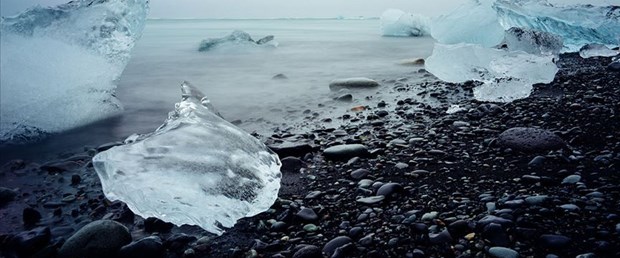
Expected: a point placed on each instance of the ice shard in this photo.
(59, 65)
(592, 50)
(195, 169)
(396, 23)
(474, 22)
(578, 25)
(506, 75)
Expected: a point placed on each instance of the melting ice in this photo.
(59, 65)
(397, 23)
(195, 169)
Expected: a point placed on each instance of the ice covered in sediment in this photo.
(195, 169)
(59, 65)
(533, 41)
(576, 24)
(235, 39)
(592, 50)
(396, 23)
(474, 22)
(506, 75)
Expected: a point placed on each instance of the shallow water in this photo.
(238, 79)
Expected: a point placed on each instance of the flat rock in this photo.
(554, 241)
(360, 173)
(371, 200)
(336, 243)
(346, 151)
(309, 251)
(291, 149)
(503, 252)
(353, 83)
(530, 139)
(101, 238)
(144, 248)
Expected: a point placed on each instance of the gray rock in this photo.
(346, 151)
(265, 39)
(27, 243)
(353, 83)
(530, 139)
(554, 241)
(345, 98)
(307, 214)
(360, 173)
(572, 179)
(503, 252)
(336, 243)
(388, 189)
(614, 66)
(144, 248)
(371, 200)
(309, 251)
(291, 164)
(6, 195)
(101, 238)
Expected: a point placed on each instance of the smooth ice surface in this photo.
(236, 38)
(506, 75)
(473, 22)
(59, 65)
(592, 50)
(576, 24)
(195, 169)
(533, 42)
(396, 23)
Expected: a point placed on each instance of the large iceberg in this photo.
(576, 24)
(59, 65)
(506, 75)
(473, 22)
(396, 23)
(195, 169)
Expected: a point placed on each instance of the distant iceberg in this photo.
(59, 65)
(396, 23)
(237, 38)
(195, 169)
(506, 75)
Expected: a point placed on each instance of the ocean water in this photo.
(238, 79)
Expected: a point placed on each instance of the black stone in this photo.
(144, 248)
(291, 164)
(336, 243)
(156, 225)
(30, 216)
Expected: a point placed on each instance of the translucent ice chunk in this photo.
(576, 24)
(592, 50)
(195, 169)
(236, 38)
(59, 65)
(533, 42)
(506, 75)
(474, 22)
(397, 23)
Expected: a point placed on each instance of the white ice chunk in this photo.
(506, 75)
(195, 169)
(59, 65)
(576, 24)
(533, 42)
(453, 109)
(473, 22)
(592, 50)
(396, 23)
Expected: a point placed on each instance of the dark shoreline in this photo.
(447, 168)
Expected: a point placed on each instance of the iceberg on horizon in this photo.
(237, 38)
(506, 75)
(396, 23)
(59, 65)
(195, 169)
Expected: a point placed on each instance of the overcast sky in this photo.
(263, 8)
(276, 8)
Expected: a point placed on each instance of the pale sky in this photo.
(265, 8)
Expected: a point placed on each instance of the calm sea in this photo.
(238, 79)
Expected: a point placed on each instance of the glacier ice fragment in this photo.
(236, 38)
(59, 65)
(473, 22)
(592, 50)
(533, 42)
(576, 24)
(195, 169)
(506, 75)
(396, 23)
